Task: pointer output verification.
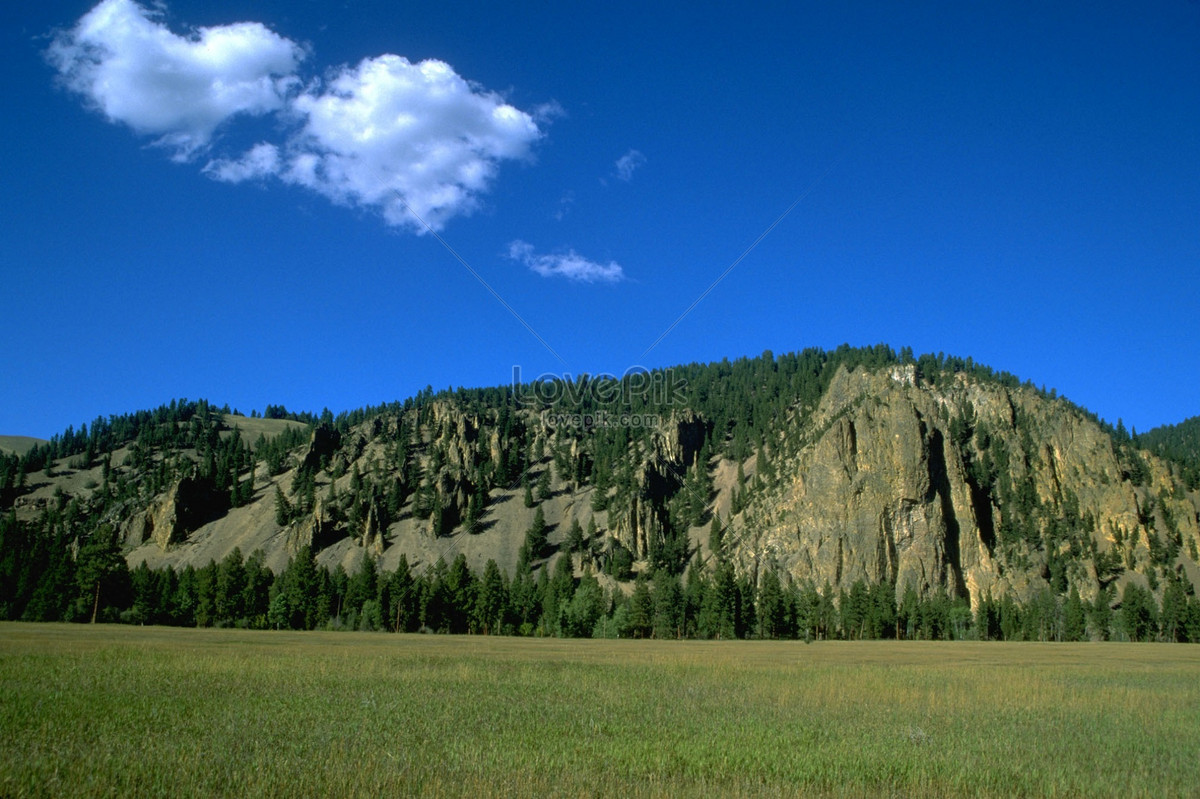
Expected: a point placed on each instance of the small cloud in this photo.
(570, 265)
(628, 163)
(546, 113)
(260, 161)
(564, 205)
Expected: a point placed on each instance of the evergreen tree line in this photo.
(60, 579)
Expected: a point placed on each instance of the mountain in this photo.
(829, 475)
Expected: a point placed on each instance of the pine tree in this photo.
(1074, 617)
(460, 588)
(882, 618)
(363, 587)
(403, 610)
(491, 600)
(302, 590)
(524, 601)
(640, 623)
(719, 612)
(438, 517)
(245, 489)
(826, 613)
(590, 537)
(557, 595)
(230, 585)
(283, 508)
(602, 481)
(1174, 611)
(206, 595)
(535, 538)
(669, 606)
(762, 467)
(585, 609)
(1139, 615)
(98, 566)
(746, 617)
(575, 536)
(184, 600)
(906, 616)
(771, 609)
(716, 536)
(256, 591)
(145, 594)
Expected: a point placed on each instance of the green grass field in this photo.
(125, 711)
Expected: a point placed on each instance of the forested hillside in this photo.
(849, 493)
(1179, 443)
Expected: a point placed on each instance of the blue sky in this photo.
(221, 199)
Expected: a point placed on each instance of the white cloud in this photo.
(570, 265)
(139, 73)
(260, 161)
(384, 134)
(390, 129)
(627, 163)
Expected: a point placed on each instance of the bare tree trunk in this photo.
(96, 602)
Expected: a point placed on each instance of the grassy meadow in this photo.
(128, 711)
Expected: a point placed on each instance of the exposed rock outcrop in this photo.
(186, 507)
(682, 438)
(373, 534)
(317, 530)
(324, 443)
(952, 488)
(640, 519)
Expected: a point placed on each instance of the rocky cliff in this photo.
(977, 489)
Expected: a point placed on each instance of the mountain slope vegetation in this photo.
(1179, 443)
(857, 492)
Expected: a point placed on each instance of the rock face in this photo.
(373, 534)
(641, 519)
(638, 520)
(186, 507)
(317, 530)
(683, 437)
(321, 448)
(950, 488)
